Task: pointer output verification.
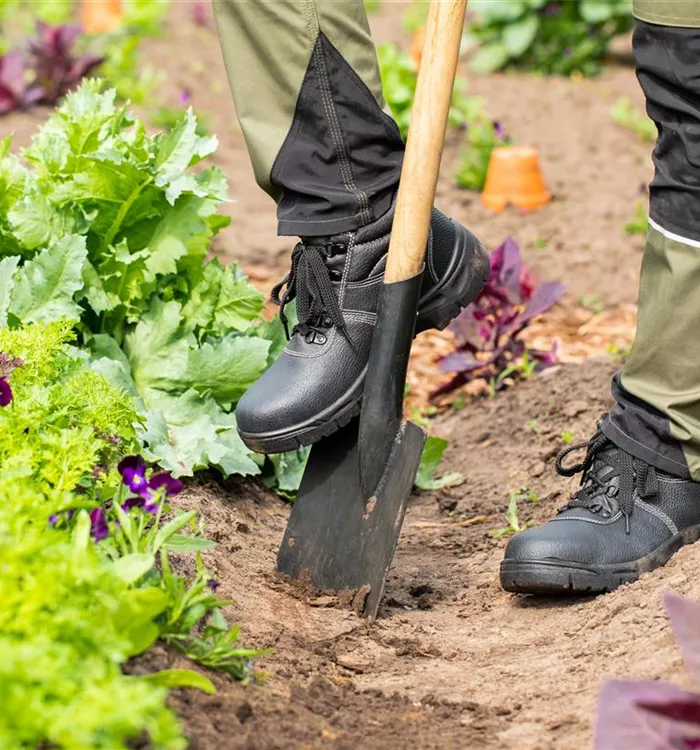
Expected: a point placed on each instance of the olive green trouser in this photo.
(657, 414)
(307, 91)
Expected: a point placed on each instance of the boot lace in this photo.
(309, 282)
(602, 463)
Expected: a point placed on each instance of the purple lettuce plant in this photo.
(15, 92)
(487, 331)
(45, 71)
(650, 714)
(56, 67)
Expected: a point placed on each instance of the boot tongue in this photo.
(598, 493)
(335, 250)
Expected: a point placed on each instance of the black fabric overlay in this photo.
(643, 431)
(340, 164)
(668, 68)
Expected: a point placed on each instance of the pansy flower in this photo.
(98, 524)
(133, 471)
(5, 392)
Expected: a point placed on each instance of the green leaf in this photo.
(490, 11)
(227, 368)
(429, 463)
(131, 568)
(239, 303)
(518, 37)
(181, 678)
(158, 349)
(192, 432)
(597, 11)
(182, 230)
(8, 266)
(36, 223)
(177, 151)
(490, 57)
(289, 469)
(187, 544)
(44, 287)
(173, 526)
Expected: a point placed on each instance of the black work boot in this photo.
(315, 386)
(627, 518)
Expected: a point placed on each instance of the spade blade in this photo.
(338, 537)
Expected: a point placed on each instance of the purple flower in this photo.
(5, 392)
(133, 471)
(53, 519)
(138, 502)
(185, 97)
(498, 130)
(98, 524)
(213, 584)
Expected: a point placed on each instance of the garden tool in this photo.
(347, 517)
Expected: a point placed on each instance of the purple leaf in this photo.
(13, 81)
(460, 362)
(545, 296)
(506, 266)
(631, 717)
(684, 615)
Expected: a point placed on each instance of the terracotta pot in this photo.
(514, 176)
(101, 16)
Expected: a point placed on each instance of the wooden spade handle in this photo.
(426, 136)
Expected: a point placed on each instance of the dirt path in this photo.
(452, 661)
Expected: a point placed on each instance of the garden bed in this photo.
(452, 661)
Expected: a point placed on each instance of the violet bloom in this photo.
(98, 524)
(53, 519)
(498, 130)
(213, 584)
(185, 98)
(5, 392)
(133, 471)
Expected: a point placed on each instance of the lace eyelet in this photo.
(335, 275)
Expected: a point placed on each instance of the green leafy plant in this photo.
(77, 601)
(69, 617)
(399, 86)
(631, 118)
(111, 226)
(639, 223)
(546, 36)
(568, 437)
(481, 138)
(123, 68)
(514, 524)
(427, 479)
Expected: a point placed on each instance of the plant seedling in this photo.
(486, 332)
(567, 437)
(514, 525)
(639, 224)
(624, 113)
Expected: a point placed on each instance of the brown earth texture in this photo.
(452, 661)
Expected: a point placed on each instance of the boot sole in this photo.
(557, 577)
(459, 288)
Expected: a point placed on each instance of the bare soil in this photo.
(452, 661)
